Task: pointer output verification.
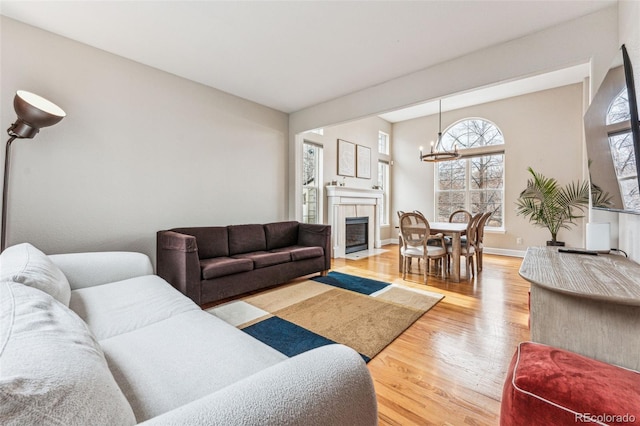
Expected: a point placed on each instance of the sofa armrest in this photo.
(91, 269)
(330, 385)
(316, 235)
(178, 262)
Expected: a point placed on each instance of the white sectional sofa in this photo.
(96, 338)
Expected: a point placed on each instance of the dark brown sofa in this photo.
(213, 263)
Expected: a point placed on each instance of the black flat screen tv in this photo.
(612, 133)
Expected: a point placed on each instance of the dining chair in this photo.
(467, 246)
(415, 232)
(400, 213)
(460, 216)
(479, 244)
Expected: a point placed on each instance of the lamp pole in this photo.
(34, 112)
(5, 187)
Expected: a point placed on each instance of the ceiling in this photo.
(290, 55)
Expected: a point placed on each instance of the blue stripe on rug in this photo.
(287, 337)
(351, 282)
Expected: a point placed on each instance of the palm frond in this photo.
(548, 205)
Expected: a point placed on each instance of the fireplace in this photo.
(347, 202)
(356, 234)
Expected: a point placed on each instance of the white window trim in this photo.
(466, 153)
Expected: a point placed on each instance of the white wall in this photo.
(140, 150)
(542, 130)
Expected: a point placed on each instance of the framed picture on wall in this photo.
(346, 158)
(363, 162)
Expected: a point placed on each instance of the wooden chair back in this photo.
(414, 229)
(460, 216)
(481, 224)
(472, 231)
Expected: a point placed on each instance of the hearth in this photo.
(356, 234)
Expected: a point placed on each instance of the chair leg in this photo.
(469, 267)
(405, 264)
(479, 267)
(426, 269)
(471, 264)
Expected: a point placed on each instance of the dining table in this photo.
(455, 230)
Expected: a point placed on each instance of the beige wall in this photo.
(590, 39)
(361, 132)
(542, 130)
(140, 150)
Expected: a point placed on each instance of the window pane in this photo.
(383, 143)
(624, 159)
(472, 134)
(448, 202)
(452, 175)
(630, 195)
(486, 171)
(624, 162)
(619, 109)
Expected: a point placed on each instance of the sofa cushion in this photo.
(25, 264)
(53, 370)
(223, 266)
(212, 241)
(246, 238)
(547, 385)
(123, 306)
(302, 252)
(262, 259)
(281, 234)
(200, 354)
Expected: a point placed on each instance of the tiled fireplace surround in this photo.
(344, 202)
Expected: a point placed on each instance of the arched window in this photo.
(475, 182)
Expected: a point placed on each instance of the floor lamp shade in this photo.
(34, 112)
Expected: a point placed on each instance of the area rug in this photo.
(361, 313)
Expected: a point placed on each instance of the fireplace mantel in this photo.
(345, 201)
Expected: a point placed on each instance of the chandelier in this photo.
(438, 153)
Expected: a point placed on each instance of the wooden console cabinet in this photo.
(586, 304)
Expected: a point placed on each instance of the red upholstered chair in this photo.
(551, 386)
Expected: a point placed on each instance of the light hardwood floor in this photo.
(448, 368)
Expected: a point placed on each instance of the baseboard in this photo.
(504, 252)
(390, 241)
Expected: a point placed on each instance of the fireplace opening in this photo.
(357, 234)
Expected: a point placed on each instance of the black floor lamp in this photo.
(34, 112)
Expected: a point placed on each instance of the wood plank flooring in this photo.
(448, 368)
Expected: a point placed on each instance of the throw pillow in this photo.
(53, 370)
(25, 264)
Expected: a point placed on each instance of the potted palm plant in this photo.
(548, 205)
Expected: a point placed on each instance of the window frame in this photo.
(467, 154)
(385, 210)
(318, 186)
(383, 135)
